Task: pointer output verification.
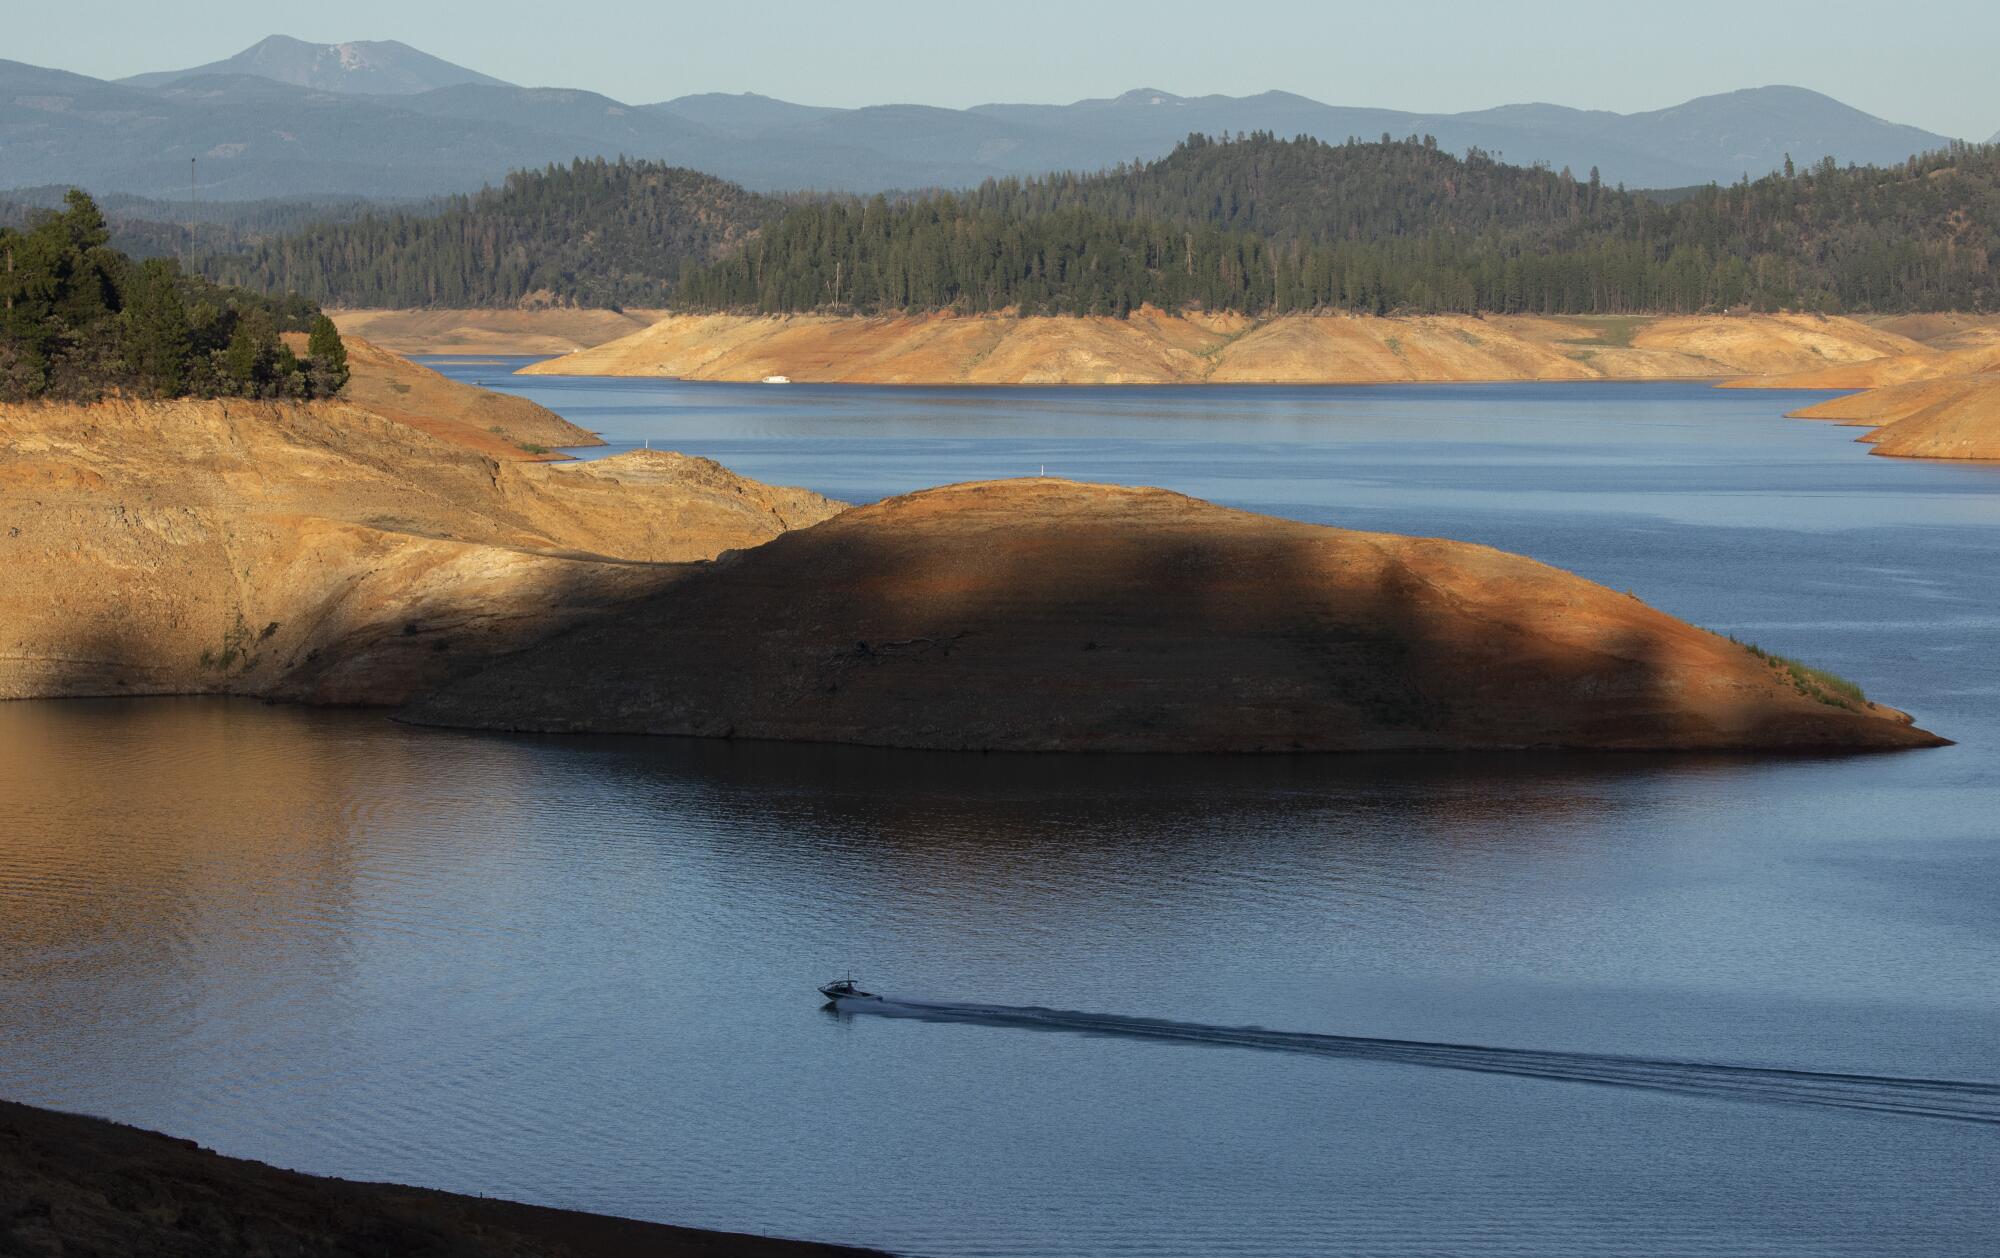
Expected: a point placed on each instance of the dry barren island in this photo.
(1045, 615)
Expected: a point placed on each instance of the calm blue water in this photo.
(577, 971)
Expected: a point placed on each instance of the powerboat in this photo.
(844, 989)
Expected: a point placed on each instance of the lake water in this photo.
(578, 971)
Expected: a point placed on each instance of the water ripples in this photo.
(575, 971)
(1943, 1099)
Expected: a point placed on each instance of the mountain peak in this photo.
(1147, 96)
(374, 67)
(1786, 98)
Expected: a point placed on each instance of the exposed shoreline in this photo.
(551, 330)
(1942, 402)
(371, 551)
(69, 1180)
(1152, 347)
(1934, 377)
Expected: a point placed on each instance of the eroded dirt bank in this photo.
(549, 330)
(76, 1185)
(1941, 401)
(1957, 417)
(1048, 615)
(331, 552)
(512, 428)
(1155, 348)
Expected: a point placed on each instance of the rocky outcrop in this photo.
(1049, 615)
(1156, 348)
(326, 552)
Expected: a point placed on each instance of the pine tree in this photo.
(252, 351)
(157, 337)
(327, 356)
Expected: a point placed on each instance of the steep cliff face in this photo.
(1156, 348)
(332, 552)
(1050, 615)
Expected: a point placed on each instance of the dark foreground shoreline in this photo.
(76, 1185)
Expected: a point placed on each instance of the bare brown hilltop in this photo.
(1050, 615)
(76, 1185)
(335, 552)
(1152, 347)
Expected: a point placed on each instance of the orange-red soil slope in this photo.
(339, 551)
(1048, 615)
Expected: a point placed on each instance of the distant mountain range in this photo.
(291, 119)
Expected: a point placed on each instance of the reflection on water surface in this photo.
(580, 971)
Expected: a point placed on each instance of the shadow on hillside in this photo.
(1130, 637)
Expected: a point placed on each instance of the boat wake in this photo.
(1951, 1100)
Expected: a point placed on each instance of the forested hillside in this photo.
(1255, 224)
(593, 233)
(146, 227)
(1302, 189)
(78, 320)
(1268, 225)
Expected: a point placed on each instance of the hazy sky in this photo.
(1930, 64)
